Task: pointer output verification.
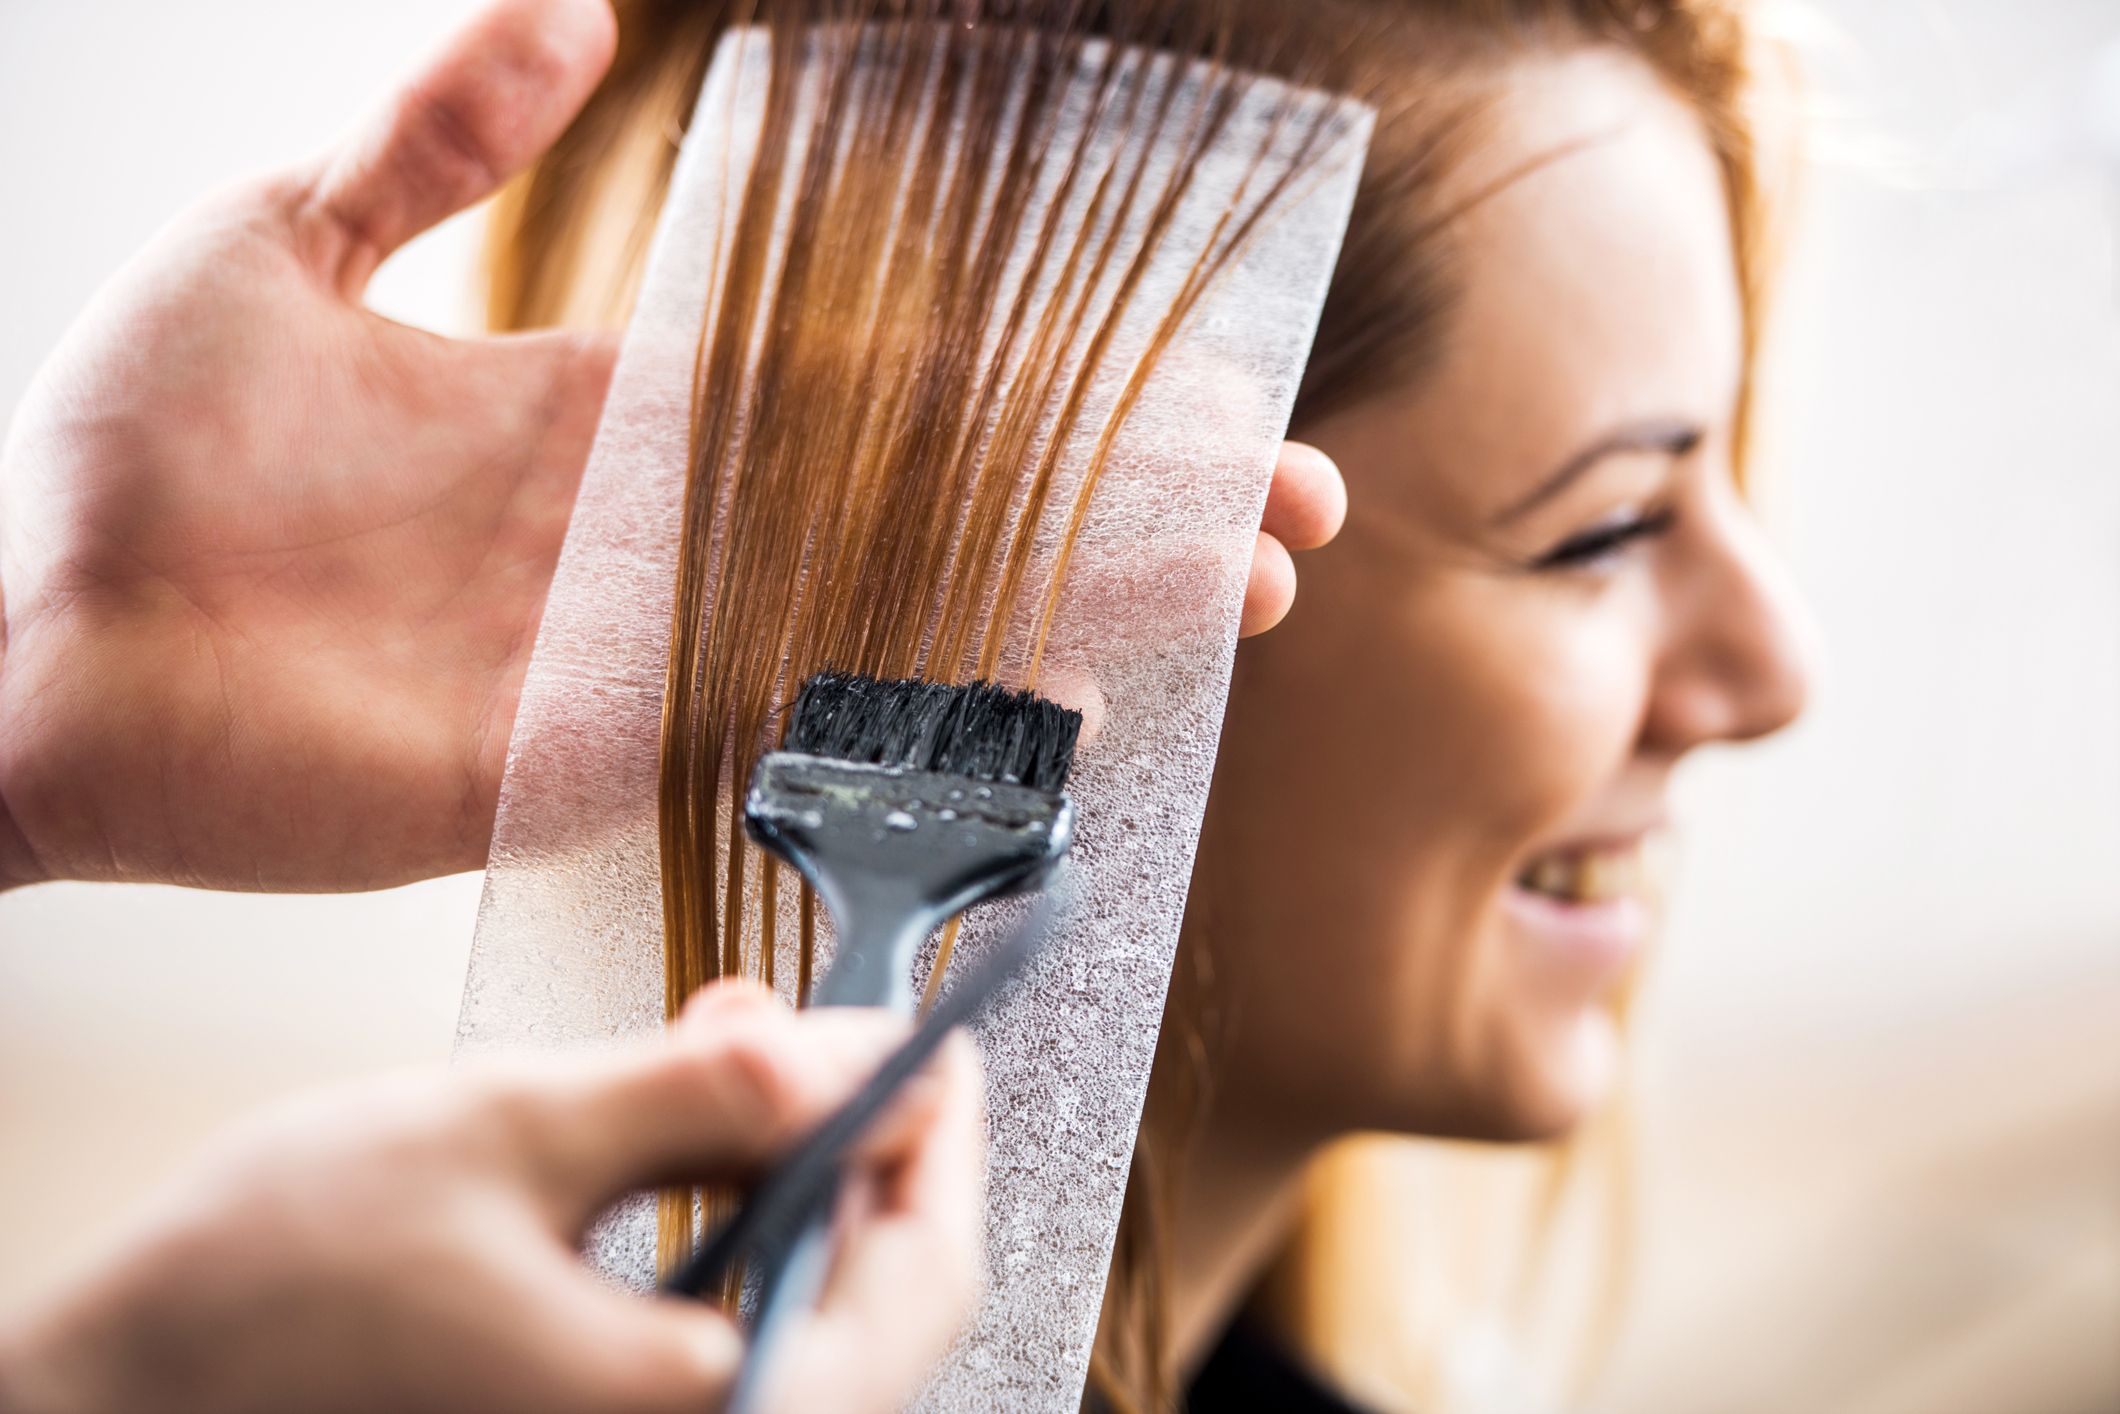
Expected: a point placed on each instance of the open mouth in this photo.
(1587, 875)
(1587, 908)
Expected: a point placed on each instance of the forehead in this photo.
(1593, 268)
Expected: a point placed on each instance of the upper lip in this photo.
(1602, 842)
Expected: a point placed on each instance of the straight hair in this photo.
(883, 460)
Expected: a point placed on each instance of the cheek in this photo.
(1562, 706)
(1527, 709)
(1390, 756)
(1528, 705)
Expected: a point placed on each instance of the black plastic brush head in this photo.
(903, 803)
(979, 730)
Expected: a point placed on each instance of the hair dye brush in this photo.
(903, 804)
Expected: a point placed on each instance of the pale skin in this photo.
(1494, 672)
(413, 1244)
(271, 565)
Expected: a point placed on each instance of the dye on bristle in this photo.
(980, 730)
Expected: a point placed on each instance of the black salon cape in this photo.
(1248, 1372)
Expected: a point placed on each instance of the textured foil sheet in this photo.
(569, 943)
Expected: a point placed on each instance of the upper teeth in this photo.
(1589, 876)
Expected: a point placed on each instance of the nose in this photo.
(1737, 663)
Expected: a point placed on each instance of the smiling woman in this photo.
(1534, 368)
(1548, 592)
(1542, 647)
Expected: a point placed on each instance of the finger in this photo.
(497, 94)
(654, 1354)
(908, 1268)
(708, 1103)
(937, 1162)
(719, 1004)
(1271, 590)
(1075, 687)
(907, 1114)
(682, 1355)
(716, 1003)
(1307, 502)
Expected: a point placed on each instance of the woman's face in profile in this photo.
(1422, 880)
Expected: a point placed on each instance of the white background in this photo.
(1883, 1059)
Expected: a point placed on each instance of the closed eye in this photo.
(1604, 542)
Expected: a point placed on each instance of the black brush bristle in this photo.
(980, 730)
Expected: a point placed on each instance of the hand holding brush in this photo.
(412, 1243)
(902, 803)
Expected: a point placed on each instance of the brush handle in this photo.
(798, 1194)
(872, 965)
(880, 925)
(784, 1201)
(785, 1291)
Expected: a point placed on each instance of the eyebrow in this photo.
(1670, 436)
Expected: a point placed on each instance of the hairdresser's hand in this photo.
(412, 1245)
(271, 564)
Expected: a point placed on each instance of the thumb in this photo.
(497, 94)
(910, 1260)
(714, 1100)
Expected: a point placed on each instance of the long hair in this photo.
(568, 245)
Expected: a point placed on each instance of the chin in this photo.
(1551, 1078)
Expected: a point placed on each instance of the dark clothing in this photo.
(1247, 1372)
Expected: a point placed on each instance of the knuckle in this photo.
(732, 996)
(450, 145)
(542, 61)
(499, 1110)
(855, 1036)
(667, 1373)
(755, 1065)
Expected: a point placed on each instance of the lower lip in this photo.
(1600, 938)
